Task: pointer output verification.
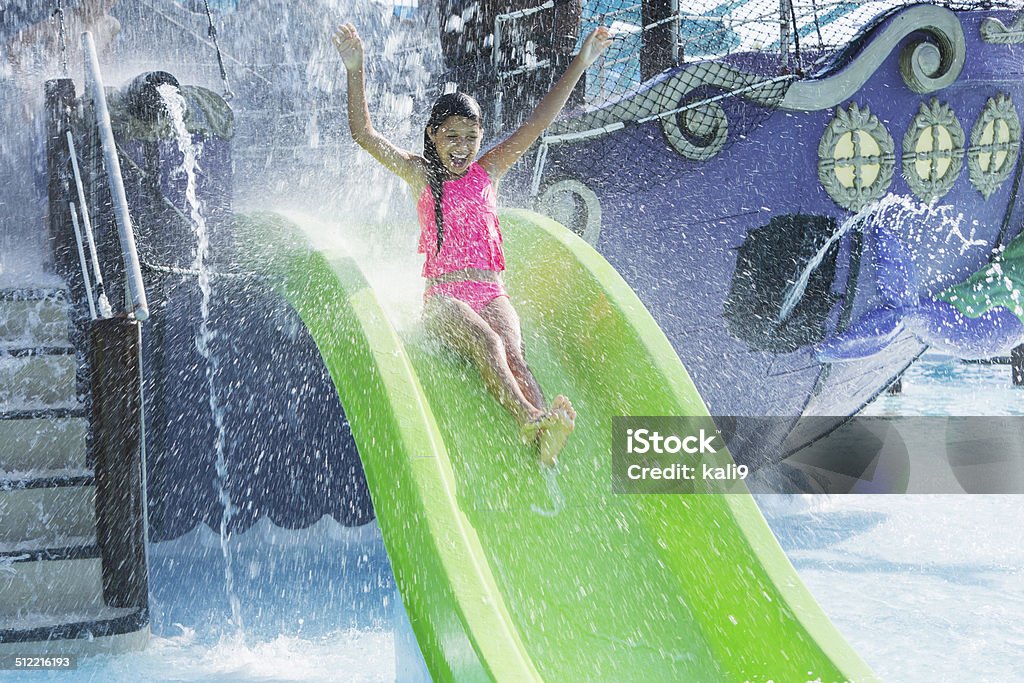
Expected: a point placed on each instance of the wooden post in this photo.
(116, 448)
(660, 43)
(785, 12)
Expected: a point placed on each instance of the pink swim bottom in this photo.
(474, 292)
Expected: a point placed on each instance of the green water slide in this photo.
(514, 573)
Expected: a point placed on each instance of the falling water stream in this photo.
(796, 292)
(175, 105)
(895, 210)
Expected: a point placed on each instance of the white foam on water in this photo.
(351, 656)
(924, 587)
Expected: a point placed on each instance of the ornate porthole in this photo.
(856, 158)
(995, 143)
(699, 132)
(575, 206)
(933, 151)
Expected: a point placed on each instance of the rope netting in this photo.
(508, 52)
(688, 65)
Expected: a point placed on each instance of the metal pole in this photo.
(496, 44)
(81, 260)
(133, 272)
(105, 311)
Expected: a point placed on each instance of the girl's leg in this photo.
(504, 320)
(459, 325)
(559, 420)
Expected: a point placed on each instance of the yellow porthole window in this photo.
(855, 158)
(933, 151)
(995, 143)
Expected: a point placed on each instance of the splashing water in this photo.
(895, 210)
(796, 292)
(555, 494)
(175, 105)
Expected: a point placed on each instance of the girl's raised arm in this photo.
(402, 163)
(500, 158)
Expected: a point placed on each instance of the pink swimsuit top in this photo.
(472, 238)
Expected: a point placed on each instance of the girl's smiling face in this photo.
(457, 140)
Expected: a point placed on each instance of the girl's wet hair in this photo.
(448, 105)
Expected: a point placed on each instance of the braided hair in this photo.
(448, 105)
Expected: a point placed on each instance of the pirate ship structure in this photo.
(735, 160)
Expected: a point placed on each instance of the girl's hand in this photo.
(350, 46)
(596, 43)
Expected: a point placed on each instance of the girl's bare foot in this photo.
(558, 423)
(531, 429)
(561, 402)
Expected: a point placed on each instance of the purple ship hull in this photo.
(719, 212)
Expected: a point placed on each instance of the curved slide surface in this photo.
(509, 573)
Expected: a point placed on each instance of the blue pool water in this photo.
(925, 587)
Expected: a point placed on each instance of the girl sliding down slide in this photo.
(465, 303)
